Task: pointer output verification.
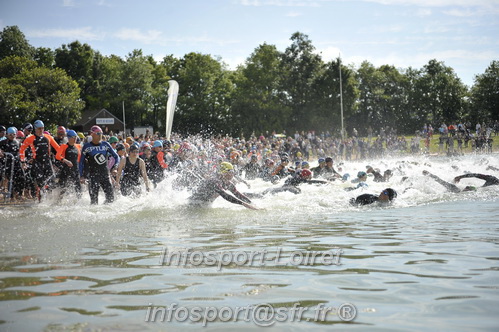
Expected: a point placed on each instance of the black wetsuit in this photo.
(11, 165)
(213, 187)
(329, 172)
(70, 175)
(148, 162)
(59, 141)
(297, 180)
(318, 171)
(364, 199)
(98, 173)
(129, 182)
(290, 185)
(42, 166)
(378, 177)
(156, 173)
(489, 179)
(449, 186)
(252, 169)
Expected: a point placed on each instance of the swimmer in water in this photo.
(218, 185)
(449, 186)
(385, 196)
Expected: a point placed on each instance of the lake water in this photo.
(430, 261)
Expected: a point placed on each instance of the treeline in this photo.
(271, 91)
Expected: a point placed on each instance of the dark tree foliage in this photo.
(14, 43)
(485, 94)
(272, 91)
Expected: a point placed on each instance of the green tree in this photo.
(45, 57)
(440, 94)
(204, 100)
(259, 102)
(13, 42)
(485, 95)
(373, 101)
(136, 88)
(326, 97)
(77, 60)
(300, 68)
(31, 92)
(159, 96)
(106, 88)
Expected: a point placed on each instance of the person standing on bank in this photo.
(132, 168)
(96, 153)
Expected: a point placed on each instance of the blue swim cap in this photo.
(157, 143)
(322, 160)
(11, 130)
(38, 124)
(71, 133)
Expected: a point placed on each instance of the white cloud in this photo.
(418, 60)
(104, 3)
(467, 12)
(439, 3)
(281, 3)
(149, 37)
(233, 62)
(293, 14)
(84, 33)
(381, 29)
(68, 3)
(156, 37)
(329, 53)
(422, 12)
(418, 3)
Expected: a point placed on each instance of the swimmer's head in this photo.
(387, 195)
(469, 188)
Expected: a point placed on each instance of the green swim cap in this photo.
(469, 188)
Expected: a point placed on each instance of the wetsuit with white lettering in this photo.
(98, 173)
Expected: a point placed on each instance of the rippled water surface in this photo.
(427, 262)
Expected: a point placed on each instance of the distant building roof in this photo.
(90, 116)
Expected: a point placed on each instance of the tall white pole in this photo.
(341, 99)
(124, 123)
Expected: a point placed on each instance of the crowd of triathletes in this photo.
(33, 162)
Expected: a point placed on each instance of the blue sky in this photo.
(404, 33)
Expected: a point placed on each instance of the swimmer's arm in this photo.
(229, 197)
(447, 185)
(489, 179)
(120, 169)
(472, 175)
(239, 195)
(316, 182)
(143, 170)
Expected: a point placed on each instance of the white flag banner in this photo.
(170, 106)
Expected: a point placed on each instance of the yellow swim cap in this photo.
(225, 167)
